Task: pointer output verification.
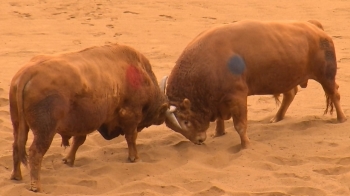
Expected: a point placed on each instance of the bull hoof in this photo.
(275, 119)
(341, 120)
(134, 159)
(68, 162)
(218, 134)
(16, 176)
(34, 187)
(245, 145)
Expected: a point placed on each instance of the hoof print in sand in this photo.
(211, 18)
(166, 16)
(130, 12)
(98, 34)
(117, 34)
(4, 102)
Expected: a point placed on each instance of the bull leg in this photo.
(130, 136)
(340, 114)
(37, 150)
(16, 172)
(220, 128)
(238, 108)
(288, 97)
(333, 97)
(77, 142)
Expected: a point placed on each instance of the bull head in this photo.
(185, 127)
(170, 112)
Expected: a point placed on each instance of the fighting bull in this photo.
(111, 89)
(223, 65)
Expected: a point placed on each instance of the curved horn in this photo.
(170, 112)
(162, 84)
(171, 117)
(172, 109)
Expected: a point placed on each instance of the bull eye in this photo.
(186, 122)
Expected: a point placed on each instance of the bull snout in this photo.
(200, 138)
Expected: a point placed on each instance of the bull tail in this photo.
(329, 105)
(21, 134)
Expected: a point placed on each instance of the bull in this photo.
(111, 89)
(223, 65)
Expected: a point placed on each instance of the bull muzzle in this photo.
(200, 138)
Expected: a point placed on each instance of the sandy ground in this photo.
(305, 154)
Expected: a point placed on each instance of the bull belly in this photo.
(110, 134)
(276, 81)
(78, 123)
(272, 88)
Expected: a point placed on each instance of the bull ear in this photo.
(163, 108)
(162, 111)
(186, 103)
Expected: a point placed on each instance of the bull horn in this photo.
(171, 117)
(172, 109)
(162, 85)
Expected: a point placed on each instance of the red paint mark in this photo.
(133, 76)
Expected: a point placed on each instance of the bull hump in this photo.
(236, 65)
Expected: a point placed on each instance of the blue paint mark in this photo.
(236, 65)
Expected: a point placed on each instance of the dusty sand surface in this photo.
(308, 153)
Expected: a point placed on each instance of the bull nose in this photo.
(200, 142)
(201, 138)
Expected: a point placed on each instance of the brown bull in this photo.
(223, 65)
(111, 89)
